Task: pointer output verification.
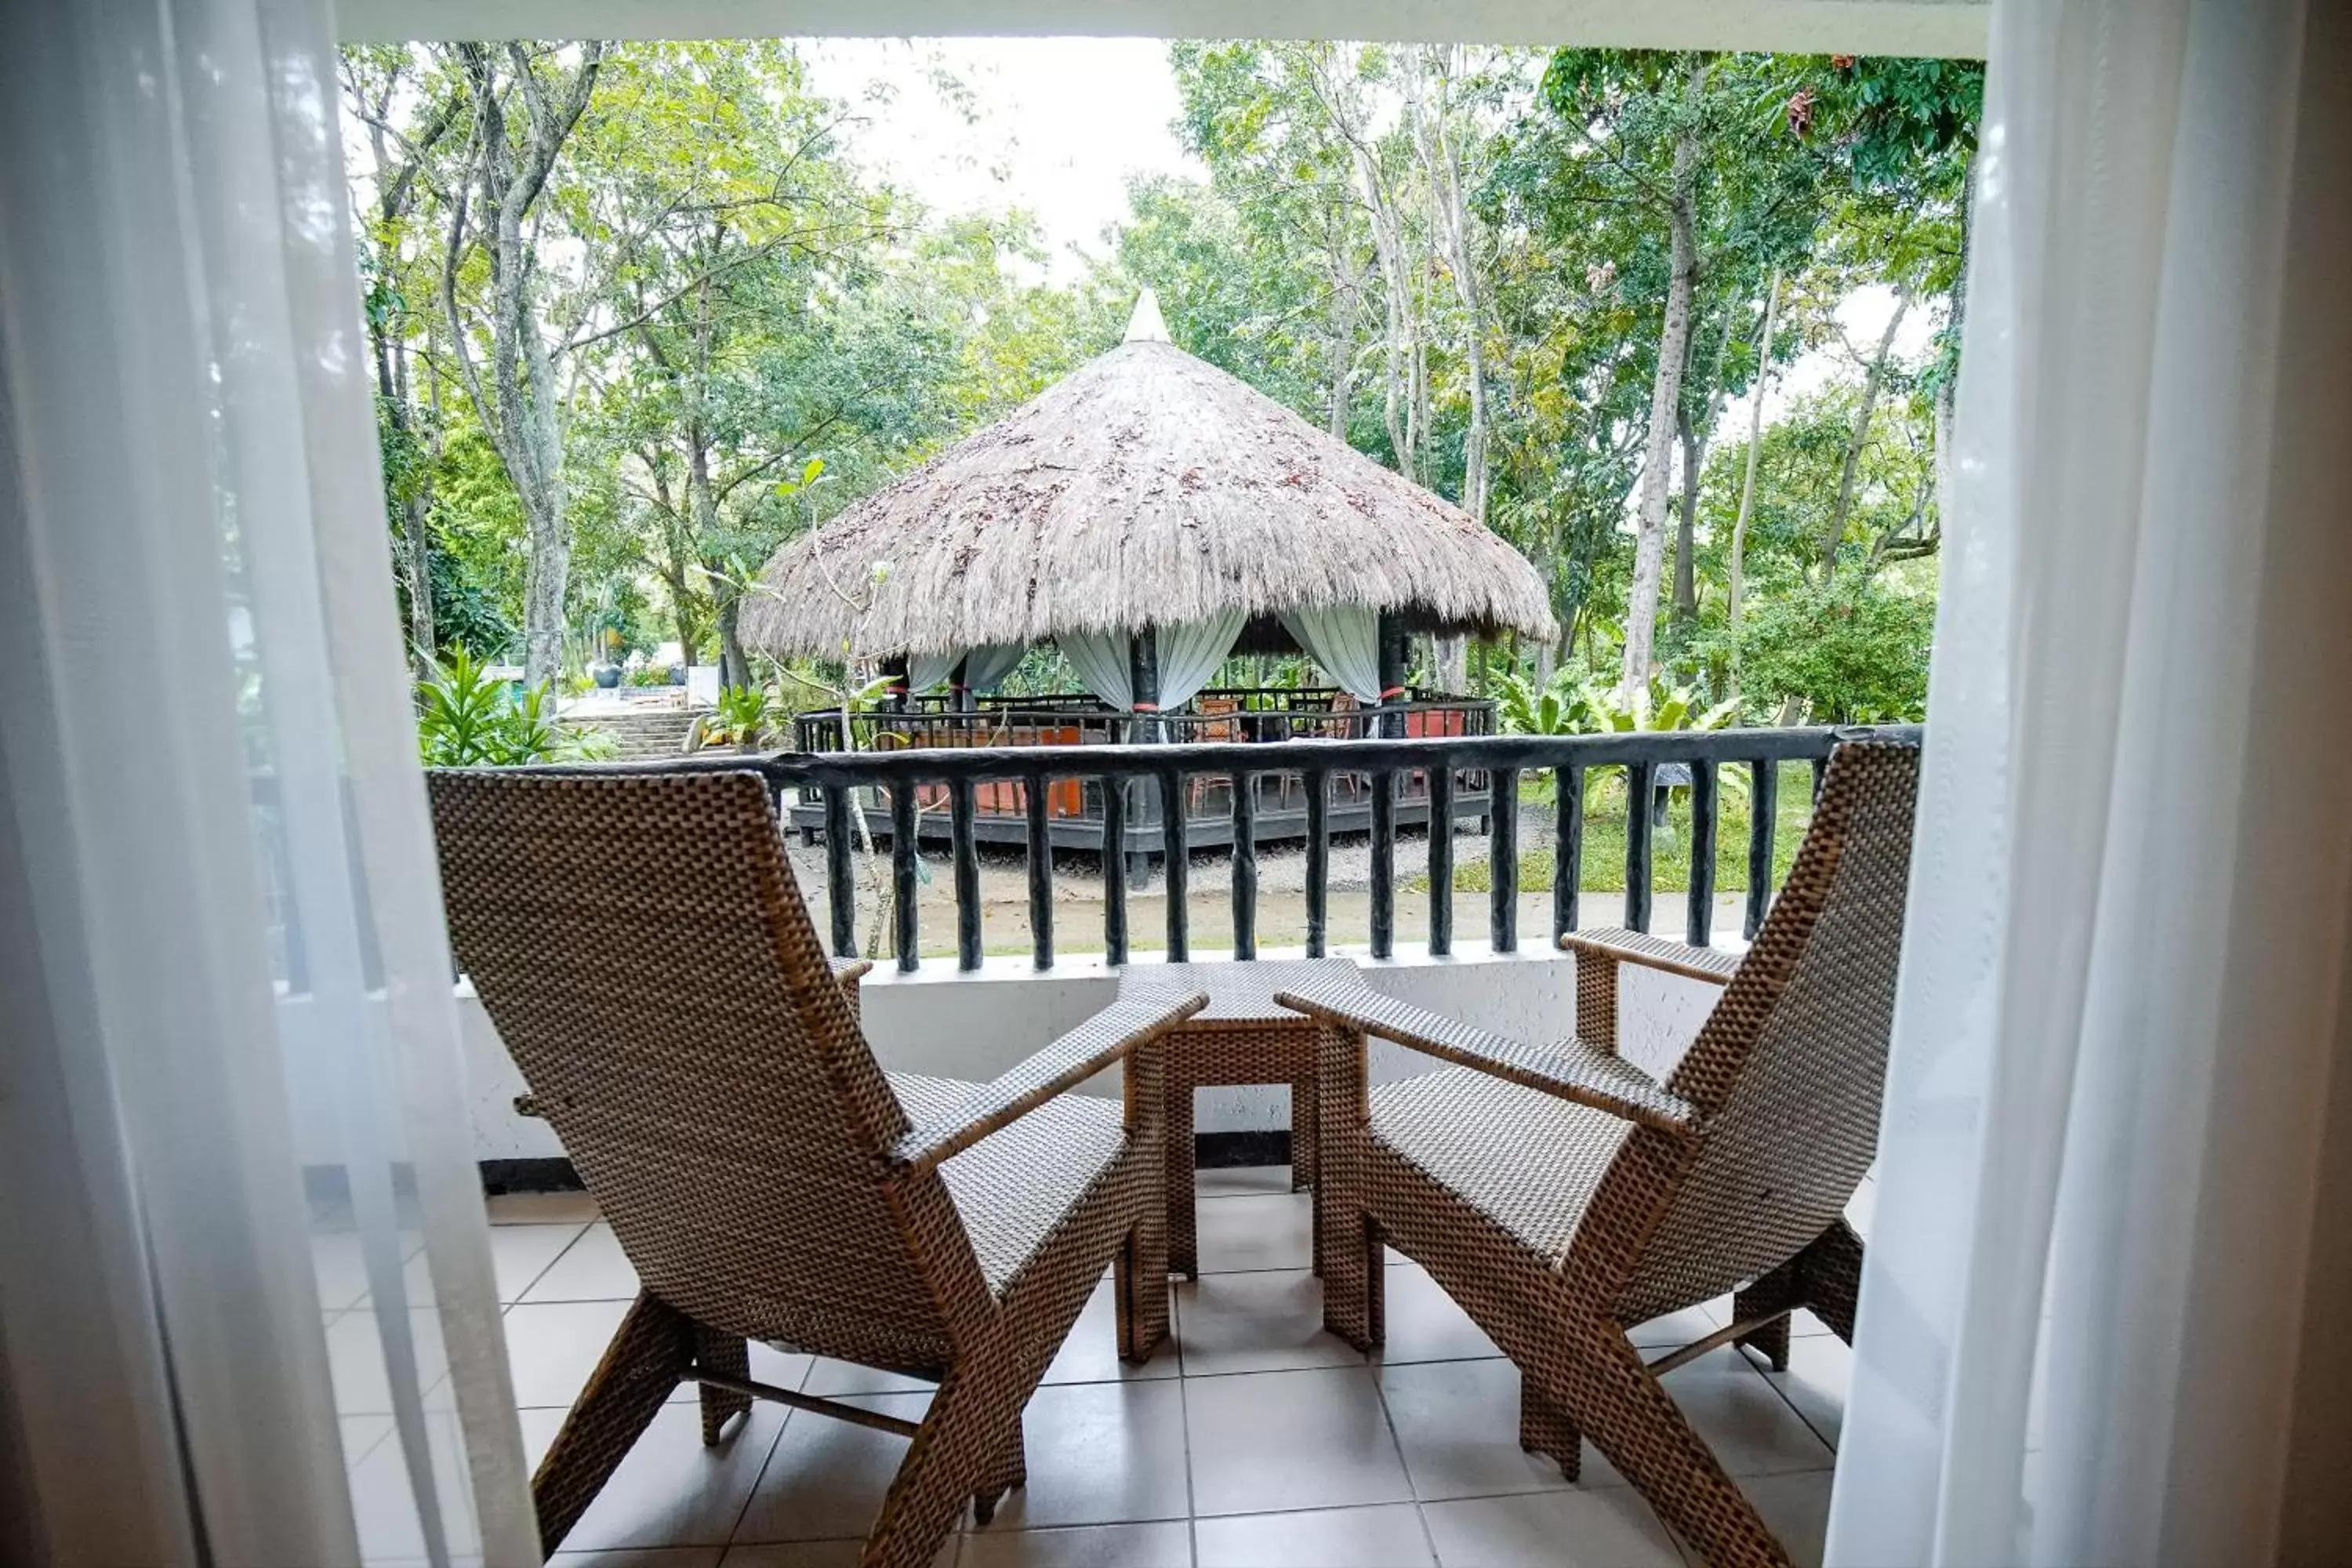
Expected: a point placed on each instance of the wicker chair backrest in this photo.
(641, 945)
(1791, 1066)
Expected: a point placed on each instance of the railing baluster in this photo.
(1821, 774)
(1319, 860)
(967, 873)
(1763, 807)
(1114, 869)
(1700, 925)
(1177, 845)
(1568, 850)
(840, 889)
(1638, 791)
(1041, 872)
(905, 890)
(1503, 861)
(1244, 888)
(1441, 861)
(1383, 862)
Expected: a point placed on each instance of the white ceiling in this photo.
(1810, 27)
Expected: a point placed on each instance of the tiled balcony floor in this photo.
(1253, 1440)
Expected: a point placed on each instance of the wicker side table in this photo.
(1244, 1035)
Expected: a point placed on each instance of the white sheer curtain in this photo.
(1100, 661)
(1192, 653)
(2086, 1330)
(990, 663)
(1344, 640)
(234, 1027)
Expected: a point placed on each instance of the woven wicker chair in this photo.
(643, 949)
(1562, 1196)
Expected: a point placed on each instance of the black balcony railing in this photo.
(909, 782)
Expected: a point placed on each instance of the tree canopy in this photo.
(639, 313)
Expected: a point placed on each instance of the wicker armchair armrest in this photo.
(1107, 1037)
(1657, 952)
(1571, 1069)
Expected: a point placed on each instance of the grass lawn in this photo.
(1604, 868)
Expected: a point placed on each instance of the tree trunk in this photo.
(1874, 381)
(1347, 305)
(1665, 398)
(734, 665)
(1443, 168)
(1694, 447)
(523, 420)
(1735, 581)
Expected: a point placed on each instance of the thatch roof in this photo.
(1146, 488)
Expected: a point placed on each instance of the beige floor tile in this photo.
(541, 1208)
(384, 1508)
(1268, 1441)
(1458, 1425)
(833, 1379)
(1165, 1544)
(1424, 1325)
(1090, 1353)
(1797, 1510)
(591, 1269)
(670, 1490)
(360, 1435)
(1256, 1322)
(355, 1362)
(1100, 1452)
(554, 1346)
(826, 1479)
(640, 1557)
(1820, 1370)
(1677, 1330)
(340, 1265)
(818, 1554)
(1227, 1181)
(1612, 1528)
(1389, 1536)
(520, 1254)
(1270, 1230)
(1750, 1427)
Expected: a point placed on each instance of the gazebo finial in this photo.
(1146, 326)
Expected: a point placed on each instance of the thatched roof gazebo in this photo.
(1146, 492)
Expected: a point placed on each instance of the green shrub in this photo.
(468, 718)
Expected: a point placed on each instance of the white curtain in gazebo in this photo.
(1190, 653)
(1101, 660)
(1344, 640)
(990, 663)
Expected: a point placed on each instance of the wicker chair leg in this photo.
(1139, 1283)
(640, 1369)
(731, 1355)
(1182, 1222)
(1304, 1123)
(1636, 1422)
(1008, 1470)
(1544, 1429)
(1829, 1276)
(1354, 1282)
(952, 1453)
(1775, 1292)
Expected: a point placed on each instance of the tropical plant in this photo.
(740, 716)
(1659, 707)
(468, 717)
(1563, 705)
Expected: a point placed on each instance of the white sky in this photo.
(1058, 124)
